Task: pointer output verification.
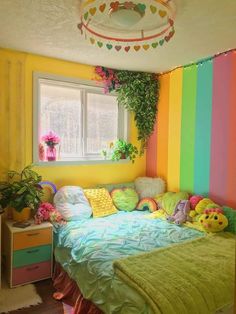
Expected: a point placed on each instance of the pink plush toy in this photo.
(180, 213)
(194, 200)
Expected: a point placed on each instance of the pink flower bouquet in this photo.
(51, 138)
(47, 212)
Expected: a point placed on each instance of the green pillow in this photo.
(230, 213)
(125, 199)
(169, 200)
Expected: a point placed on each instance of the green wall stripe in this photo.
(203, 128)
(188, 128)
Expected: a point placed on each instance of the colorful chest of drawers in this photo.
(28, 253)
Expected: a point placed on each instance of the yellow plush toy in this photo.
(203, 204)
(213, 220)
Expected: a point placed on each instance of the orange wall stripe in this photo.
(175, 108)
(163, 127)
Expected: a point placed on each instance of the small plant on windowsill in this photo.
(123, 150)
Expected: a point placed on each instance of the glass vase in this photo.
(51, 153)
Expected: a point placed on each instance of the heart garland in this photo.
(105, 8)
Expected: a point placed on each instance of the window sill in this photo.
(79, 162)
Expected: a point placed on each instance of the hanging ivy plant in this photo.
(138, 92)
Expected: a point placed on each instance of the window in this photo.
(84, 118)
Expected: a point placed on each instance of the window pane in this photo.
(102, 121)
(60, 112)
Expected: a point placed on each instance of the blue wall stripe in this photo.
(203, 128)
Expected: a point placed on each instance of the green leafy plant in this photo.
(21, 190)
(124, 150)
(138, 92)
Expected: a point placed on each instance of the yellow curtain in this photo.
(12, 111)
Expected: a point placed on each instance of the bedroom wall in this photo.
(194, 144)
(16, 72)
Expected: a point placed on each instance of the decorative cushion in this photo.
(149, 187)
(125, 199)
(169, 200)
(101, 202)
(110, 187)
(72, 204)
(147, 203)
(49, 190)
(230, 213)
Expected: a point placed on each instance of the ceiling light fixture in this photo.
(127, 26)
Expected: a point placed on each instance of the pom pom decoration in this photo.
(213, 220)
(194, 200)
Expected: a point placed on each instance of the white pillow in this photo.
(72, 204)
(149, 187)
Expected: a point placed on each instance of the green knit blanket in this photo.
(196, 276)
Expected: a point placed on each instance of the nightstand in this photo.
(28, 253)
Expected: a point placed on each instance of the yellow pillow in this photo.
(100, 201)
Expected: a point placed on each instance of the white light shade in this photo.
(125, 18)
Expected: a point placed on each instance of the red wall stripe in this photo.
(151, 156)
(220, 128)
(231, 164)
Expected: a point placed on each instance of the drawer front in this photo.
(32, 255)
(31, 273)
(22, 240)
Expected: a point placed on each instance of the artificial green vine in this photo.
(138, 92)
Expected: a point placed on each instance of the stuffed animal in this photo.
(200, 207)
(194, 200)
(213, 220)
(180, 214)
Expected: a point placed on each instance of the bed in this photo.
(87, 250)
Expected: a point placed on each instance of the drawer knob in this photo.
(32, 268)
(32, 234)
(33, 251)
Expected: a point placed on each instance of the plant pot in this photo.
(23, 215)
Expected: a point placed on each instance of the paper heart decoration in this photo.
(171, 22)
(162, 13)
(127, 48)
(154, 45)
(114, 5)
(118, 48)
(102, 7)
(86, 16)
(136, 48)
(92, 40)
(141, 7)
(92, 11)
(100, 44)
(109, 46)
(129, 5)
(80, 27)
(146, 47)
(153, 9)
(167, 38)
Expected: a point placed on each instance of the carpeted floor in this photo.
(49, 305)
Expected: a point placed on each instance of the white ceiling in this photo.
(49, 28)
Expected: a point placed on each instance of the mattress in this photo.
(86, 250)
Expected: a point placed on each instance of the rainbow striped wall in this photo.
(193, 145)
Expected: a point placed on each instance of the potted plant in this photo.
(124, 150)
(21, 192)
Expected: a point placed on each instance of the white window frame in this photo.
(86, 86)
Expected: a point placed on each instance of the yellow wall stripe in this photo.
(175, 104)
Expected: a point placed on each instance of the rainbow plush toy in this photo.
(213, 220)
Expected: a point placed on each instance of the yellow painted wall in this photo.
(16, 112)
